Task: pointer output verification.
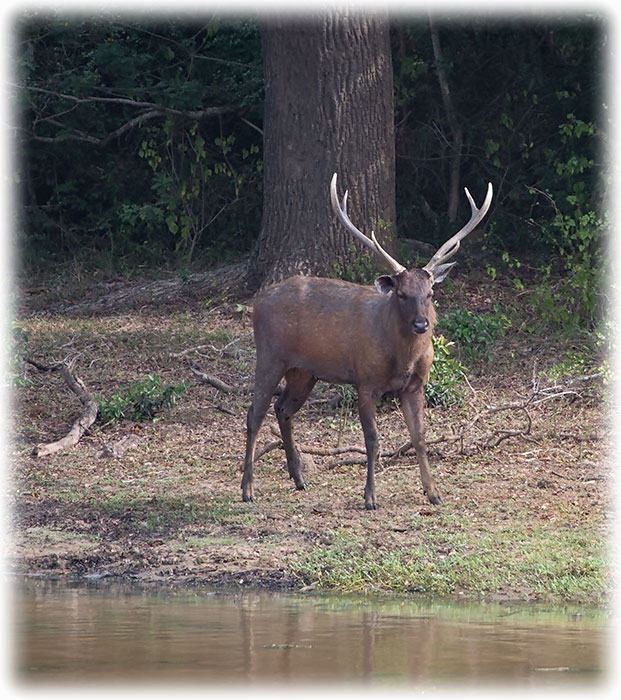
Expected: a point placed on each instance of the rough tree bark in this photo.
(328, 108)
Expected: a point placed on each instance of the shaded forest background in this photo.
(139, 144)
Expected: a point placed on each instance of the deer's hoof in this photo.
(370, 506)
(436, 500)
(299, 481)
(247, 499)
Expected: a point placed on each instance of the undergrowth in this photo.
(475, 335)
(140, 400)
(444, 386)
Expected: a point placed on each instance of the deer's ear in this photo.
(385, 284)
(441, 272)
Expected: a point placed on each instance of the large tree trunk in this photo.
(328, 108)
(455, 126)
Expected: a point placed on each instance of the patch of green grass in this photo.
(219, 336)
(552, 563)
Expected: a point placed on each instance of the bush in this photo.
(444, 385)
(474, 334)
(140, 400)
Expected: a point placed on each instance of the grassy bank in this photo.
(516, 559)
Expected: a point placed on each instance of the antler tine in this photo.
(340, 209)
(448, 249)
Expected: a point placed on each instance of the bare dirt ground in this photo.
(169, 508)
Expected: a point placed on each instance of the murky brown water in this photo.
(82, 633)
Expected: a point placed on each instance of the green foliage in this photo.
(474, 334)
(195, 184)
(360, 268)
(170, 185)
(139, 400)
(443, 387)
(535, 131)
(578, 364)
(576, 231)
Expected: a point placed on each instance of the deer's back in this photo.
(322, 325)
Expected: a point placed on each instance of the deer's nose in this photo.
(420, 325)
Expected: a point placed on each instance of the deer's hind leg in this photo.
(299, 385)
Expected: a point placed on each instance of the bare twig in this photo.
(466, 438)
(312, 449)
(587, 479)
(223, 409)
(223, 386)
(274, 445)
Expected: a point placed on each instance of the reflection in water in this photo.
(76, 632)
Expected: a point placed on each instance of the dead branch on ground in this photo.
(83, 423)
(219, 384)
(330, 401)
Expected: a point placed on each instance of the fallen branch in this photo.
(223, 409)
(333, 451)
(274, 445)
(385, 455)
(219, 384)
(223, 386)
(82, 424)
(492, 438)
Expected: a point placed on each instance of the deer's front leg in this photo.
(413, 408)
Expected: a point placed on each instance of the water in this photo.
(72, 632)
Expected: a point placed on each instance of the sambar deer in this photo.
(378, 340)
